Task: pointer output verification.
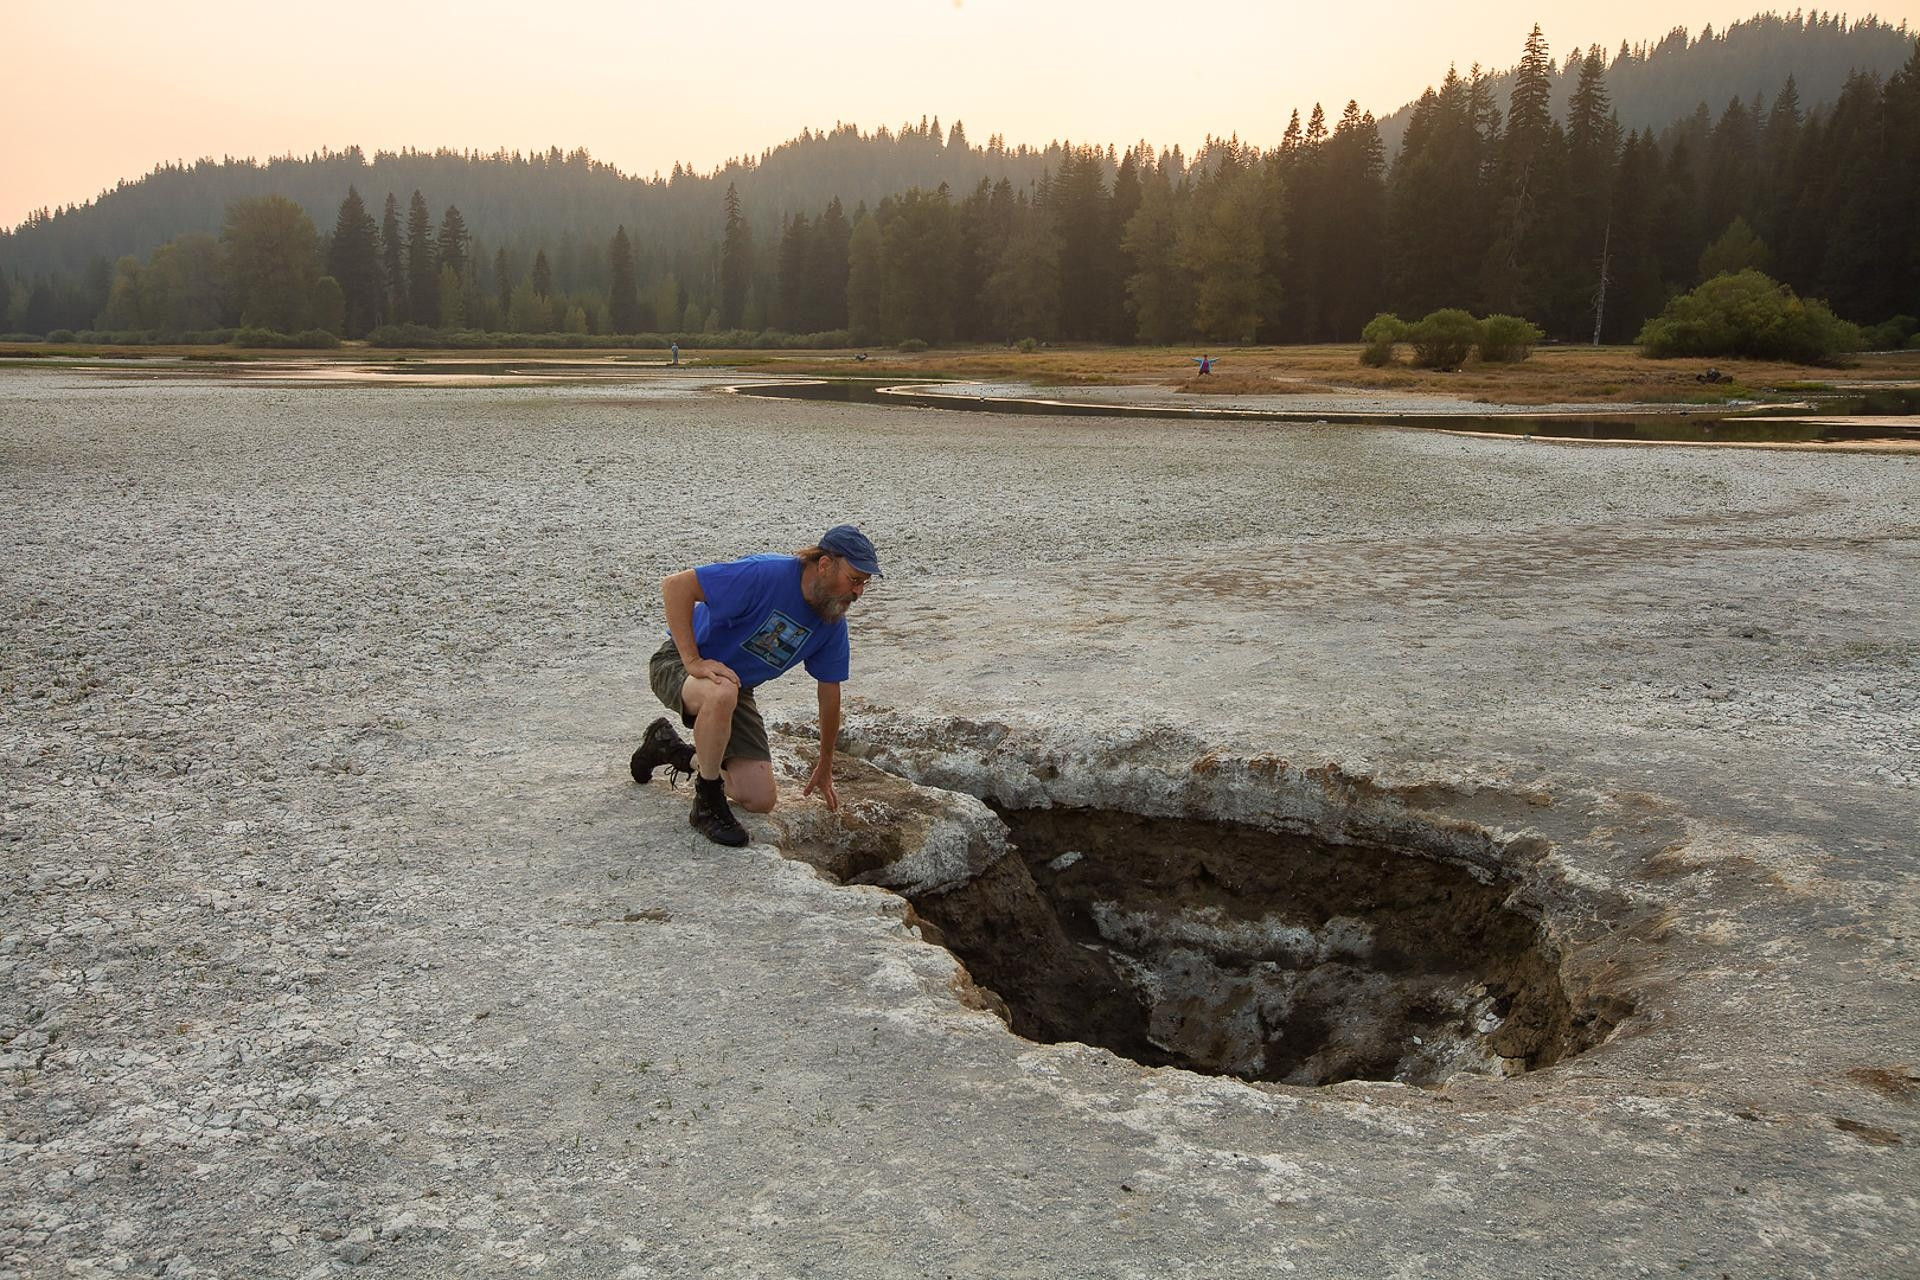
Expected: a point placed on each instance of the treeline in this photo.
(1496, 203)
(1655, 82)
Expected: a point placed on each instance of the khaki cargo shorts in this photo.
(749, 740)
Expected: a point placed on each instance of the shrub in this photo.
(1029, 345)
(61, 335)
(1380, 335)
(1441, 339)
(911, 345)
(253, 336)
(1507, 339)
(1748, 314)
(1889, 335)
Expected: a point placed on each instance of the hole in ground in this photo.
(1239, 951)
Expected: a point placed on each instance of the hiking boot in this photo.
(712, 817)
(661, 746)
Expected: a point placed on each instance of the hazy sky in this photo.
(119, 87)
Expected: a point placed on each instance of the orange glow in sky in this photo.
(117, 88)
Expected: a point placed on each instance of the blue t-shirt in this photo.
(755, 620)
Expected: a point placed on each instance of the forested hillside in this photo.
(1653, 84)
(1501, 197)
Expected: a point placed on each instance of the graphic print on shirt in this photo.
(777, 640)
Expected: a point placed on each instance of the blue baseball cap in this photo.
(853, 546)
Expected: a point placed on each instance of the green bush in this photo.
(1748, 314)
(1029, 345)
(1889, 335)
(911, 345)
(61, 336)
(306, 339)
(1380, 335)
(1442, 339)
(1507, 339)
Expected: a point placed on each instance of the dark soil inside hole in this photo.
(1238, 951)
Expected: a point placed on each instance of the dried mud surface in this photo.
(334, 936)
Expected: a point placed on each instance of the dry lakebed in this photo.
(1265, 848)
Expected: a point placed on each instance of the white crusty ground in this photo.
(333, 935)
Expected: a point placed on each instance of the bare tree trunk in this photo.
(1600, 303)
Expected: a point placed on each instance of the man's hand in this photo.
(822, 781)
(710, 669)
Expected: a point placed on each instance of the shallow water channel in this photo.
(1706, 426)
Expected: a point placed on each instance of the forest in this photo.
(1521, 193)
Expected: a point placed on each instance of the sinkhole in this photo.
(1236, 950)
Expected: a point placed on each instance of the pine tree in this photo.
(1353, 227)
(541, 277)
(1158, 292)
(450, 246)
(736, 261)
(1079, 207)
(1779, 183)
(623, 293)
(920, 241)
(1901, 216)
(393, 258)
(423, 275)
(866, 279)
(1529, 132)
(353, 259)
(1593, 148)
(826, 292)
(502, 284)
(1219, 242)
(790, 299)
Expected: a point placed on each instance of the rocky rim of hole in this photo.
(1203, 924)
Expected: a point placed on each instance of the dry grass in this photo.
(1554, 374)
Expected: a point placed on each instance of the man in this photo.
(732, 627)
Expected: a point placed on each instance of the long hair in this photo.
(812, 555)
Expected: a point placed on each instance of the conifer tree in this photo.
(423, 275)
(393, 260)
(827, 268)
(623, 294)
(541, 278)
(790, 301)
(920, 243)
(1779, 183)
(353, 259)
(450, 245)
(866, 279)
(736, 261)
(502, 283)
(1529, 132)
(1157, 290)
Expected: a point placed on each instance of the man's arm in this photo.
(822, 779)
(681, 591)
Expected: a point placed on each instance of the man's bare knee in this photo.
(750, 783)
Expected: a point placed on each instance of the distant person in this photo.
(1205, 363)
(676, 352)
(732, 627)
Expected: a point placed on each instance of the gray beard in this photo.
(831, 608)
